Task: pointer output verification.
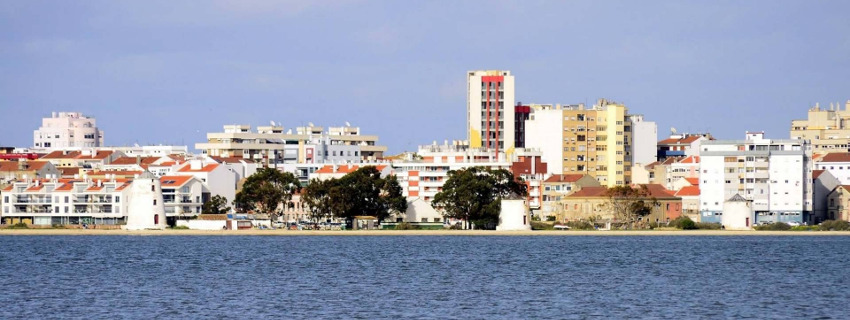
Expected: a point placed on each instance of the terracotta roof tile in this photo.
(589, 192)
(690, 159)
(132, 160)
(837, 157)
(205, 168)
(564, 178)
(816, 174)
(174, 181)
(688, 191)
(693, 181)
(12, 166)
(62, 155)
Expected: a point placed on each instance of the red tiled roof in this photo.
(132, 160)
(10, 166)
(846, 187)
(690, 159)
(688, 191)
(836, 157)
(659, 191)
(816, 174)
(8, 188)
(99, 155)
(174, 181)
(589, 192)
(62, 155)
(564, 178)
(205, 168)
(35, 188)
(693, 181)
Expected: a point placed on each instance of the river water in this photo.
(424, 277)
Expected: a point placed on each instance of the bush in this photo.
(540, 225)
(19, 225)
(804, 228)
(683, 223)
(580, 225)
(834, 225)
(776, 226)
(406, 226)
(180, 227)
(707, 226)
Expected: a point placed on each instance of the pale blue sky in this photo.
(170, 71)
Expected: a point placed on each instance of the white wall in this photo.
(544, 131)
(514, 216)
(644, 141)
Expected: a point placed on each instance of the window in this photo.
(424, 219)
(117, 199)
(66, 199)
(6, 199)
(153, 188)
(66, 209)
(154, 201)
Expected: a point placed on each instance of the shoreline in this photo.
(184, 232)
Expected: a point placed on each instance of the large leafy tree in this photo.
(630, 203)
(216, 205)
(317, 196)
(364, 192)
(473, 195)
(266, 190)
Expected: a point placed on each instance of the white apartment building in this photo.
(67, 129)
(544, 123)
(838, 164)
(183, 196)
(773, 175)
(490, 101)
(644, 140)
(66, 201)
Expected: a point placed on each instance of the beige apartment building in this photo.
(829, 130)
(577, 140)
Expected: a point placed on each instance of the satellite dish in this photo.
(347, 124)
(289, 131)
(272, 123)
(673, 130)
(310, 124)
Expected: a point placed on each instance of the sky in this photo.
(168, 72)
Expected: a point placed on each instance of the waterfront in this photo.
(493, 277)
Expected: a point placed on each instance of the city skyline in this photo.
(168, 73)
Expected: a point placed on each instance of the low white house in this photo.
(514, 216)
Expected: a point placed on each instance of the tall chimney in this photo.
(138, 160)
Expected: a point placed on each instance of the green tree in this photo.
(266, 190)
(317, 196)
(629, 203)
(473, 195)
(393, 201)
(364, 192)
(216, 205)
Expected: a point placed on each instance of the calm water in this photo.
(424, 277)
